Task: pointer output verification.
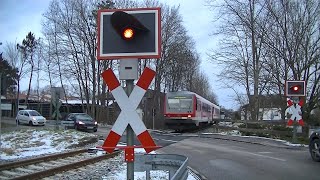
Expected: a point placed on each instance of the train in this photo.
(187, 110)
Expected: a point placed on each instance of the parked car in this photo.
(314, 145)
(31, 117)
(80, 121)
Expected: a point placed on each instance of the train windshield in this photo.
(174, 103)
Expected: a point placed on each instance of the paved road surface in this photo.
(225, 159)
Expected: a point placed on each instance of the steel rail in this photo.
(63, 168)
(12, 165)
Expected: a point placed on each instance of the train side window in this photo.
(203, 108)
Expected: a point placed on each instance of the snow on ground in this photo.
(32, 142)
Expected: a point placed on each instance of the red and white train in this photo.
(185, 110)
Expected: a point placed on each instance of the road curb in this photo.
(253, 141)
(196, 173)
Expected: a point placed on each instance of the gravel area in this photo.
(105, 169)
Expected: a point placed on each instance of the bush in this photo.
(303, 140)
(246, 133)
(281, 128)
(252, 126)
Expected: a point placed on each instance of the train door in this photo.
(212, 113)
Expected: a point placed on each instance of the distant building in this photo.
(271, 108)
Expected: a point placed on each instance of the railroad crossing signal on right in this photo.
(295, 90)
(295, 110)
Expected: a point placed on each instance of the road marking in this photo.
(264, 152)
(165, 140)
(279, 159)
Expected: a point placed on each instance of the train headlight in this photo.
(189, 116)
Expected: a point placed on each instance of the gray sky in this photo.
(18, 17)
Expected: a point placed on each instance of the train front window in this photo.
(185, 103)
(173, 103)
(179, 103)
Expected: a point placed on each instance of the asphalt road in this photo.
(224, 159)
(227, 158)
(161, 138)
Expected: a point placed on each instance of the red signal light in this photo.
(295, 88)
(126, 25)
(128, 33)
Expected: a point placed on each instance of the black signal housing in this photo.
(295, 88)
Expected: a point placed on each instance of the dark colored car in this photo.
(81, 121)
(314, 145)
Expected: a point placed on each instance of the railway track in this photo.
(195, 129)
(42, 167)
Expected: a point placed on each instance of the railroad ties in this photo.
(45, 166)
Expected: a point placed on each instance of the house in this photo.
(271, 108)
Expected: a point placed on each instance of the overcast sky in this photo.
(18, 17)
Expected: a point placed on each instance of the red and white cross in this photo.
(295, 111)
(128, 108)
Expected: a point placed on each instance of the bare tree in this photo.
(267, 42)
(28, 47)
(240, 52)
(293, 39)
(12, 53)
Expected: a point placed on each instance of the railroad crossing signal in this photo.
(295, 88)
(128, 115)
(57, 104)
(295, 110)
(129, 33)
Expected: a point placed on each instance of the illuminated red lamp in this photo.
(128, 33)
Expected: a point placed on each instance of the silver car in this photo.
(31, 117)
